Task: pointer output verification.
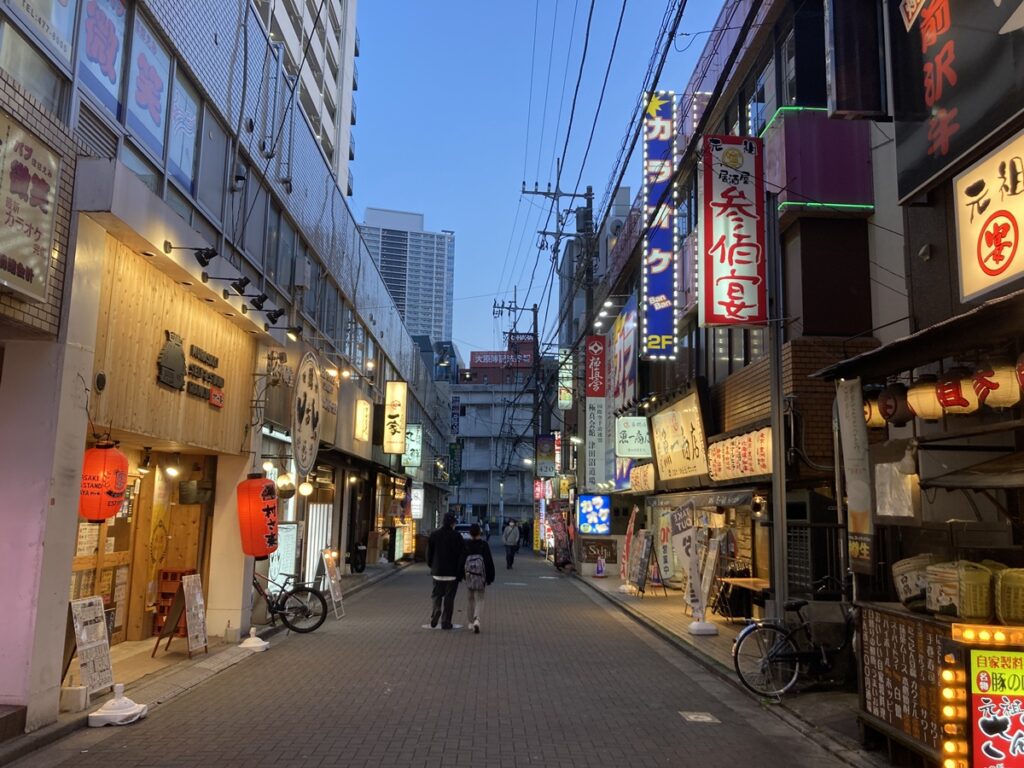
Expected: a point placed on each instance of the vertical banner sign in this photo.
(733, 283)
(659, 315)
(545, 456)
(395, 396)
(624, 562)
(307, 398)
(622, 379)
(565, 379)
(454, 464)
(413, 456)
(558, 453)
(29, 171)
(416, 501)
(853, 435)
(596, 416)
(148, 95)
(456, 412)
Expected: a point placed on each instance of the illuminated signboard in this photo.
(545, 459)
(416, 501)
(565, 379)
(595, 515)
(997, 708)
(395, 396)
(596, 413)
(413, 456)
(659, 313)
(364, 417)
(733, 282)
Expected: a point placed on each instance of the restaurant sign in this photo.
(989, 215)
(29, 171)
(747, 455)
(997, 708)
(413, 456)
(632, 437)
(733, 278)
(679, 444)
(196, 374)
(395, 396)
(306, 414)
(641, 478)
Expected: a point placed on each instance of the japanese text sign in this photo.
(454, 464)
(595, 372)
(997, 708)
(679, 444)
(853, 436)
(54, 22)
(989, 200)
(659, 314)
(307, 412)
(364, 417)
(565, 362)
(632, 437)
(595, 437)
(595, 515)
(149, 69)
(413, 456)
(101, 49)
(456, 413)
(641, 478)
(29, 172)
(623, 362)
(545, 449)
(746, 455)
(416, 501)
(733, 280)
(941, 50)
(395, 395)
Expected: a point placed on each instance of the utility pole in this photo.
(776, 338)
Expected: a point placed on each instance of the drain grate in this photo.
(699, 717)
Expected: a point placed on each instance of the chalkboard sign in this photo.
(595, 548)
(645, 548)
(902, 656)
(195, 612)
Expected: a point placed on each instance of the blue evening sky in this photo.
(449, 126)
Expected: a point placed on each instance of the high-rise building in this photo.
(418, 268)
(330, 44)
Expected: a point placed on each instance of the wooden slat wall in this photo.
(138, 304)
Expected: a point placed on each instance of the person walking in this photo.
(525, 539)
(510, 538)
(444, 556)
(478, 569)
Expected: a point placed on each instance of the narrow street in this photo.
(557, 677)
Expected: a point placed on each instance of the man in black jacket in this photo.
(444, 556)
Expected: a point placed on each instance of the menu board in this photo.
(93, 644)
(333, 576)
(640, 567)
(195, 611)
(996, 708)
(902, 656)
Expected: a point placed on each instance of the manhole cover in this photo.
(699, 717)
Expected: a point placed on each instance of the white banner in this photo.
(632, 437)
(596, 470)
(853, 434)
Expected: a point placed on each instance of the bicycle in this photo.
(301, 608)
(769, 654)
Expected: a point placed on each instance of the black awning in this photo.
(983, 328)
(739, 497)
(1004, 472)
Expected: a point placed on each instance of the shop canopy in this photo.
(740, 497)
(1004, 472)
(987, 326)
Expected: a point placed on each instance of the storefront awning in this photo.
(738, 497)
(988, 325)
(1004, 472)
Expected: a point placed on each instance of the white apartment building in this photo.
(329, 75)
(418, 268)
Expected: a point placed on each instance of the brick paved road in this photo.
(557, 678)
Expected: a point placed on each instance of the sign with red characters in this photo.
(997, 708)
(595, 372)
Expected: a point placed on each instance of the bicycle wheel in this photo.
(304, 609)
(767, 661)
(358, 559)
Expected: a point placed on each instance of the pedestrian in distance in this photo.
(524, 536)
(478, 570)
(444, 556)
(510, 538)
(487, 531)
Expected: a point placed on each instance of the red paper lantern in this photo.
(257, 515)
(104, 478)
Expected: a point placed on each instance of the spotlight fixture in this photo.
(258, 302)
(147, 460)
(603, 313)
(274, 315)
(346, 374)
(331, 371)
(294, 332)
(173, 470)
(240, 285)
(528, 462)
(607, 302)
(203, 255)
(597, 323)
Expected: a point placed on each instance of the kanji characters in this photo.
(941, 129)
(101, 41)
(149, 88)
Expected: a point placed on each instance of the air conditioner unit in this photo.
(303, 273)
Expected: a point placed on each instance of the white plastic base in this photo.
(702, 628)
(254, 643)
(626, 588)
(120, 710)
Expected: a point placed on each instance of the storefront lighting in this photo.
(268, 466)
(331, 371)
(603, 313)
(346, 374)
(576, 440)
(528, 462)
(274, 315)
(370, 365)
(294, 333)
(597, 323)
(305, 488)
(202, 255)
(258, 302)
(104, 479)
(240, 285)
(147, 460)
(607, 302)
(173, 470)
(285, 486)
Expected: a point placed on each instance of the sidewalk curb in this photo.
(847, 750)
(68, 723)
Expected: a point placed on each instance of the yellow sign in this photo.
(997, 672)
(395, 396)
(361, 429)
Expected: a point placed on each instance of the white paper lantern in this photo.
(956, 394)
(923, 400)
(872, 416)
(996, 386)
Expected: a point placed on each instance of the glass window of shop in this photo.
(52, 24)
(213, 155)
(317, 512)
(26, 65)
(254, 218)
(149, 70)
(183, 133)
(284, 260)
(101, 47)
(762, 104)
(787, 70)
(141, 167)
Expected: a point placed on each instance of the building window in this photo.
(28, 67)
(762, 101)
(141, 167)
(101, 36)
(149, 71)
(787, 64)
(184, 131)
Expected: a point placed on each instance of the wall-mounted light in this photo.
(294, 333)
(240, 285)
(202, 255)
(173, 470)
(528, 462)
(147, 460)
(258, 302)
(370, 365)
(274, 315)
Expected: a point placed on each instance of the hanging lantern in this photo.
(285, 486)
(996, 385)
(892, 404)
(257, 515)
(924, 400)
(956, 394)
(104, 478)
(872, 416)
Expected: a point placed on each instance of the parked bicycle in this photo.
(770, 655)
(301, 608)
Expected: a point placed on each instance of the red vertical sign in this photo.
(595, 366)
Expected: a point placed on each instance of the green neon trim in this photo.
(783, 110)
(840, 206)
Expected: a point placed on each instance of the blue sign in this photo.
(595, 515)
(659, 312)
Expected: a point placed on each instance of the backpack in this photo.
(476, 578)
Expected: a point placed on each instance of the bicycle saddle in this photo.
(794, 605)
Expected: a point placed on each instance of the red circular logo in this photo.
(997, 243)
(983, 682)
